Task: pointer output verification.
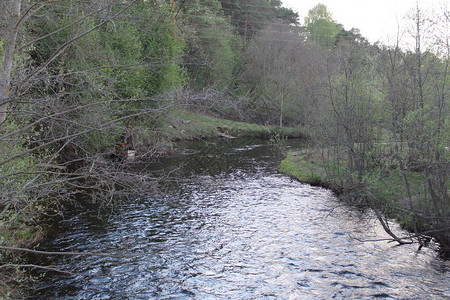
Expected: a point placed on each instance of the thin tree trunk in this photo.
(385, 225)
(5, 80)
(281, 110)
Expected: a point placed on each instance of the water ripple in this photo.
(243, 234)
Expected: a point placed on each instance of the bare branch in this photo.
(16, 266)
(81, 133)
(63, 253)
(6, 69)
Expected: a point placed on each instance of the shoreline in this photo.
(390, 195)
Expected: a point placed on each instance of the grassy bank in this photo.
(180, 124)
(304, 169)
(408, 204)
(186, 125)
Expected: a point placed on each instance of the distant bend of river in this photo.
(231, 227)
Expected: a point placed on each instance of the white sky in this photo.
(378, 20)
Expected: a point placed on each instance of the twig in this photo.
(36, 267)
(389, 240)
(63, 253)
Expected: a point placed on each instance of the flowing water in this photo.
(231, 227)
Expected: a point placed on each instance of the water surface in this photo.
(231, 227)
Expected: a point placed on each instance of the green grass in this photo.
(387, 188)
(183, 125)
(304, 169)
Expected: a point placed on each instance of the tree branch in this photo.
(62, 253)
(35, 267)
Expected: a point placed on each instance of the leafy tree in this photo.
(151, 45)
(213, 47)
(250, 16)
(288, 16)
(353, 101)
(70, 77)
(351, 36)
(321, 26)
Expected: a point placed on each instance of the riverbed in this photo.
(226, 225)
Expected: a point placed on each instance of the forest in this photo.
(84, 81)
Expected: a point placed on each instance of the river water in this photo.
(226, 225)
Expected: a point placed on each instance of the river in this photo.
(226, 225)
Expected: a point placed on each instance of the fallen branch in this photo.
(63, 252)
(389, 240)
(35, 267)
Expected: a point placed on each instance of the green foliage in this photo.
(214, 49)
(142, 53)
(387, 188)
(324, 32)
(124, 49)
(18, 171)
(162, 48)
(427, 140)
(287, 15)
(16, 229)
(248, 16)
(321, 26)
(277, 72)
(304, 169)
(251, 16)
(1, 50)
(318, 12)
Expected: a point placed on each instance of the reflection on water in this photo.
(232, 228)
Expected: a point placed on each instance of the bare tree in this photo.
(282, 70)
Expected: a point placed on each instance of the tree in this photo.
(353, 101)
(213, 48)
(321, 26)
(427, 121)
(10, 46)
(249, 16)
(281, 70)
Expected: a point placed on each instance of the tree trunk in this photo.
(281, 111)
(5, 80)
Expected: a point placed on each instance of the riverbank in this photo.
(384, 190)
(184, 124)
(180, 124)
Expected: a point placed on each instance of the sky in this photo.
(378, 20)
